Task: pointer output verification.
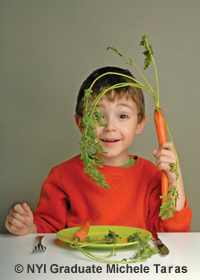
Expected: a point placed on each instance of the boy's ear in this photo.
(140, 126)
(78, 120)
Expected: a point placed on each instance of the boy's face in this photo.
(122, 125)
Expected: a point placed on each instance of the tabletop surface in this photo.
(60, 261)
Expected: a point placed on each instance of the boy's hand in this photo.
(164, 157)
(20, 220)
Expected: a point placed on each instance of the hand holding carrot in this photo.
(164, 157)
(20, 220)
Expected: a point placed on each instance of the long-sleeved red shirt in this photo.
(69, 198)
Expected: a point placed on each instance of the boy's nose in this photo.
(110, 125)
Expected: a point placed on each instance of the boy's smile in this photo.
(110, 141)
(121, 118)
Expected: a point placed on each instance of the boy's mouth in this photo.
(110, 140)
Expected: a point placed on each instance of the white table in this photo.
(14, 250)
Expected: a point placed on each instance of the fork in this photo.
(39, 247)
(161, 247)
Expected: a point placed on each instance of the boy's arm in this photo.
(164, 157)
(20, 220)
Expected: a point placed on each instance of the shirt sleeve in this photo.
(50, 214)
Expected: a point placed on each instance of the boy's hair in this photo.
(106, 81)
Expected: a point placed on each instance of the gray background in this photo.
(49, 47)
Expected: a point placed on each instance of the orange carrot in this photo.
(82, 232)
(162, 137)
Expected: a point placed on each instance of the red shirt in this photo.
(69, 198)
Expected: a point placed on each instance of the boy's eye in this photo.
(123, 116)
(98, 115)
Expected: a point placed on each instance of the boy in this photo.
(69, 198)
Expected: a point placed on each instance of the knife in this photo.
(161, 247)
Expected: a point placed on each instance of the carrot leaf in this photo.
(168, 208)
(148, 52)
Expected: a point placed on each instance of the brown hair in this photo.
(109, 80)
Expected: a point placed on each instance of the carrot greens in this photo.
(144, 252)
(109, 238)
(90, 144)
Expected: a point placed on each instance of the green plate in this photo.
(98, 232)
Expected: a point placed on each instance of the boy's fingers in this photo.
(154, 153)
(13, 215)
(19, 219)
(15, 224)
(165, 160)
(27, 209)
(166, 153)
(163, 166)
(167, 145)
(20, 210)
